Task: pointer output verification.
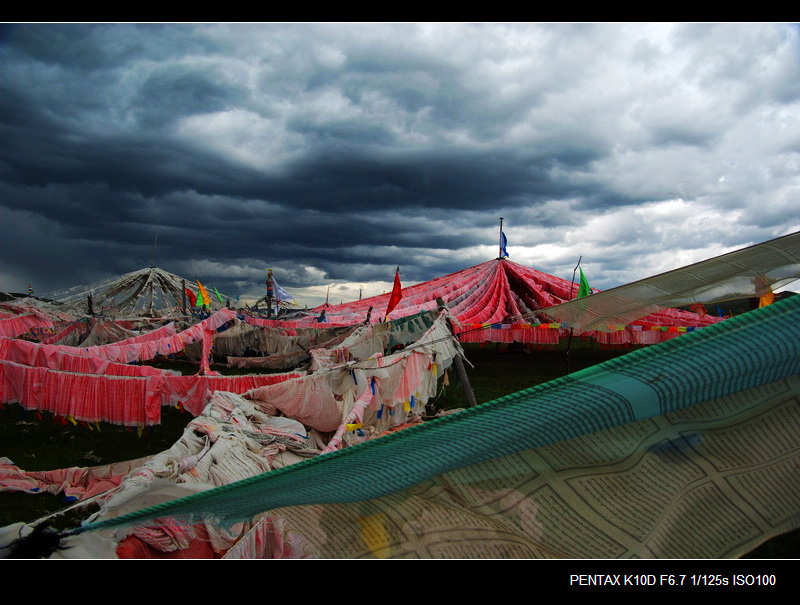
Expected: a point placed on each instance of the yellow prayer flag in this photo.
(204, 293)
(374, 534)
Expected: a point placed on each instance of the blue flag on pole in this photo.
(503, 244)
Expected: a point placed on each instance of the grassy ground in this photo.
(36, 442)
(500, 370)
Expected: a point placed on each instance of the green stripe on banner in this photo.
(641, 397)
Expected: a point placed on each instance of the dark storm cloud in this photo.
(424, 180)
(334, 153)
(174, 90)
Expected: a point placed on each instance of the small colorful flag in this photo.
(397, 293)
(203, 295)
(584, 289)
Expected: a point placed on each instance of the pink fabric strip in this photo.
(147, 346)
(17, 325)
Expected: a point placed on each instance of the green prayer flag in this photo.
(584, 289)
(219, 296)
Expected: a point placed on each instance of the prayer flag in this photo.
(584, 289)
(203, 294)
(280, 293)
(503, 244)
(192, 297)
(219, 296)
(396, 293)
(698, 308)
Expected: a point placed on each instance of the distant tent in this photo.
(146, 292)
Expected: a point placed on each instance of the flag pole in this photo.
(572, 287)
(569, 340)
(457, 359)
(270, 296)
(500, 254)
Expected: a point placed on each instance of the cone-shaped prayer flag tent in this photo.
(503, 301)
(146, 292)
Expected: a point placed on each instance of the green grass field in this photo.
(35, 442)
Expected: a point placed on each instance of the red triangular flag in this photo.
(396, 293)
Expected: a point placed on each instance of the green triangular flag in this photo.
(219, 296)
(584, 289)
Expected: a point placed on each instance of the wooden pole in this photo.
(569, 340)
(459, 362)
(269, 293)
(500, 246)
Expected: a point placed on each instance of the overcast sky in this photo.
(333, 153)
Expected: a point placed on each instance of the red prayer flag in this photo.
(396, 293)
(192, 297)
(698, 308)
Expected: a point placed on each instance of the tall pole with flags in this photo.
(574, 271)
(503, 241)
(270, 294)
(571, 330)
